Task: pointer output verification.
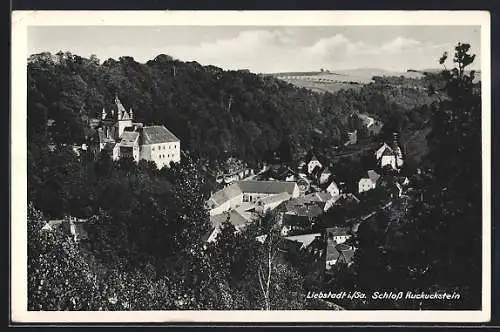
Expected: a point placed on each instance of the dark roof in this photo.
(158, 134)
(346, 256)
(235, 218)
(308, 210)
(313, 198)
(267, 187)
(342, 247)
(304, 239)
(337, 231)
(94, 122)
(109, 146)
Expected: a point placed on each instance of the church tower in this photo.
(397, 150)
(124, 119)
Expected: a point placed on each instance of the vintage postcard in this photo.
(250, 166)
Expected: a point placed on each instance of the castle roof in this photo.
(119, 105)
(158, 134)
(129, 138)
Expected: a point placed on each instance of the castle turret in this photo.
(124, 120)
(103, 114)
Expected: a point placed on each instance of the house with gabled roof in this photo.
(313, 164)
(239, 218)
(249, 192)
(390, 155)
(368, 183)
(337, 250)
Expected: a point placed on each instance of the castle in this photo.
(121, 137)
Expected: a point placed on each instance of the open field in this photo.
(340, 79)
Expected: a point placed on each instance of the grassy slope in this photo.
(340, 79)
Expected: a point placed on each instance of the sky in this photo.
(263, 49)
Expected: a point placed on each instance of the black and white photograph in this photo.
(249, 166)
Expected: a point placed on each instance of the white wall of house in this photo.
(324, 177)
(388, 160)
(162, 154)
(285, 230)
(330, 263)
(341, 238)
(365, 184)
(333, 189)
(116, 152)
(213, 235)
(136, 153)
(312, 165)
(122, 124)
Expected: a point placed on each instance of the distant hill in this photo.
(339, 79)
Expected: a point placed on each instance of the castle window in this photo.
(153, 148)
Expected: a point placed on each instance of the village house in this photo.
(239, 218)
(233, 170)
(299, 213)
(73, 227)
(352, 138)
(297, 247)
(369, 183)
(313, 164)
(336, 248)
(333, 189)
(325, 175)
(390, 156)
(250, 192)
(119, 136)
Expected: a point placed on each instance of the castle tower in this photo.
(124, 120)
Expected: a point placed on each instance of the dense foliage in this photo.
(431, 240)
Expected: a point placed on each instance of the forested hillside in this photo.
(215, 113)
